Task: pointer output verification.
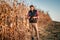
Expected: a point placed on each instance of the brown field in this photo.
(14, 25)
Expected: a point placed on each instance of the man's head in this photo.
(32, 7)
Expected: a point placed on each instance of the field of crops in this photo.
(15, 26)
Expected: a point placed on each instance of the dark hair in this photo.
(31, 6)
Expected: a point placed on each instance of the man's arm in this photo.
(28, 15)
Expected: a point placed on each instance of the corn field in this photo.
(13, 22)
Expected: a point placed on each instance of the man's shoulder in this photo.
(31, 11)
(35, 10)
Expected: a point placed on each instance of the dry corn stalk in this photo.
(11, 23)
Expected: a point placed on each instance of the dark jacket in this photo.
(32, 14)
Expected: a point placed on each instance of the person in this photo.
(33, 16)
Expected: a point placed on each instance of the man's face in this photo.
(32, 8)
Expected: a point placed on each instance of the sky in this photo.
(52, 6)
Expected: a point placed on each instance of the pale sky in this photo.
(52, 6)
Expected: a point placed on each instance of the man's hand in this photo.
(35, 17)
(27, 17)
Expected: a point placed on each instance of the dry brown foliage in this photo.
(13, 22)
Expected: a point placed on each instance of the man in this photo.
(33, 16)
